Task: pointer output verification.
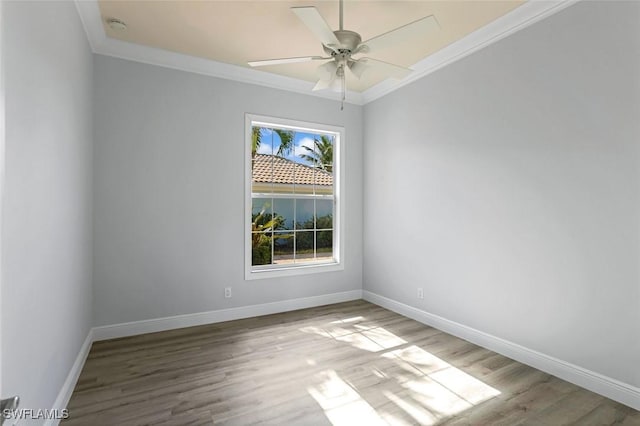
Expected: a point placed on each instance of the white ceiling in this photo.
(219, 37)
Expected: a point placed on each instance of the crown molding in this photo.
(521, 17)
(530, 12)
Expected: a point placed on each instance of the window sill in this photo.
(257, 274)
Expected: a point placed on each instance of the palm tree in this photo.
(322, 155)
(286, 141)
(256, 139)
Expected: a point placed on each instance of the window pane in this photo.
(262, 141)
(304, 242)
(283, 175)
(323, 182)
(261, 175)
(323, 151)
(283, 248)
(261, 165)
(304, 176)
(304, 246)
(283, 142)
(304, 213)
(283, 213)
(261, 214)
(324, 245)
(260, 248)
(324, 214)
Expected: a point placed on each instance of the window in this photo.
(293, 205)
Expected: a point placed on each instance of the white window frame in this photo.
(273, 271)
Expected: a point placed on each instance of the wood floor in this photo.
(351, 363)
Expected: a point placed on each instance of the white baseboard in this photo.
(201, 318)
(72, 378)
(595, 382)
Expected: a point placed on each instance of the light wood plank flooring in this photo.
(351, 363)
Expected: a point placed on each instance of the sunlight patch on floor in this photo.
(420, 358)
(340, 330)
(384, 338)
(360, 341)
(424, 389)
(413, 408)
(466, 386)
(462, 384)
(435, 397)
(316, 330)
(341, 403)
(348, 320)
(372, 339)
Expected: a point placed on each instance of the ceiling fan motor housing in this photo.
(349, 41)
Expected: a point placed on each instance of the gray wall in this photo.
(507, 186)
(169, 192)
(46, 227)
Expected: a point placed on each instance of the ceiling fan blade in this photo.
(336, 85)
(327, 75)
(285, 61)
(332, 82)
(392, 70)
(412, 32)
(327, 71)
(358, 68)
(316, 23)
(323, 84)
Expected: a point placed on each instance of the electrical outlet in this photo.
(227, 292)
(420, 293)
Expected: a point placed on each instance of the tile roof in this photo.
(274, 169)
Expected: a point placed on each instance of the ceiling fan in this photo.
(342, 45)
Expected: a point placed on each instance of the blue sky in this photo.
(301, 139)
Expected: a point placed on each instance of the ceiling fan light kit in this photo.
(342, 44)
